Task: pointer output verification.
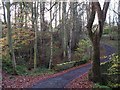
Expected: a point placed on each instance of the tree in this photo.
(59, 12)
(15, 14)
(42, 23)
(69, 47)
(118, 27)
(64, 28)
(32, 16)
(9, 38)
(56, 13)
(35, 29)
(51, 37)
(4, 14)
(21, 15)
(95, 36)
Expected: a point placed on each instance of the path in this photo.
(61, 80)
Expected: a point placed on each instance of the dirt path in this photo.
(62, 80)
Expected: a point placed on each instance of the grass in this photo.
(40, 71)
(113, 43)
(22, 70)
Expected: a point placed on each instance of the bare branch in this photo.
(105, 8)
(90, 22)
(52, 6)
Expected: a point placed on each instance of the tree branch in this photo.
(90, 22)
(105, 8)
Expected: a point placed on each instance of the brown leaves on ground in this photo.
(12, 81)
(80, 82)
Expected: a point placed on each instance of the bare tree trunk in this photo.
(42, 21)
(69, 47)
(51, 37)
(35, 28)
(56, 14)
(4, 14)
(9, 38)
(64, 28)
(32, 10)
(26, 17)
(119, 29)
(96, 60)
(15, 16)
(70, 44)
(59, 12)
(21, 15)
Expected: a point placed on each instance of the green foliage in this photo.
(77, 63)
(63, 66)
(104, 67)
(21, 70)
(67, 65)
(41, 71)
(85, 58)
(97, 85)
(114, 69)
(83, 49)
(106, 30)
(110, 71)
(7, 64)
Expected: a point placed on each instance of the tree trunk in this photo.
(64, 28)
(26, 18)
(4, 14)
(42, 22)
(56, 14)
(51, 37)
(32, 10)
(96, 36)
(59, 12)
(15, 16)
(35, 28)
(21, 15)
(9, 38)
(96, 60)
(119, 29)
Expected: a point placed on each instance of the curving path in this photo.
(61, 80)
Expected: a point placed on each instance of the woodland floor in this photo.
(75, 77)
(10, 81)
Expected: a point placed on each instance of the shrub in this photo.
(97, 85)
(63, 66)
(106, 31)
(110, 72)
(21, 70)
(82, 52)
(85, 58)
(67, 65)
(114, 71)
(114, 68)
(77, 63)
(40, 71)
(7, 64)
